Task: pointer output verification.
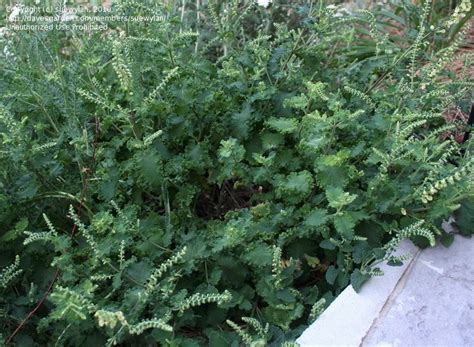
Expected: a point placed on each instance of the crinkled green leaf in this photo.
(283, 125)
(344, 224)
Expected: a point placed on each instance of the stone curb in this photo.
(350, 316)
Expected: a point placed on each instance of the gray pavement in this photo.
(432, 303)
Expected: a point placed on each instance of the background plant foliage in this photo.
(240, 172)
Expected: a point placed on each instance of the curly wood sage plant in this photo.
(236, 168)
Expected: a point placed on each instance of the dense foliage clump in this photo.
(194, 182)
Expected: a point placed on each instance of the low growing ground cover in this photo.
(219, 176)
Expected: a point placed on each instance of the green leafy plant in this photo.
(198, 182)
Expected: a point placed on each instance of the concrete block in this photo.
(350, 316)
